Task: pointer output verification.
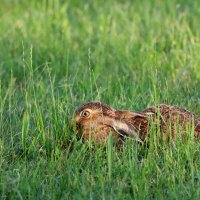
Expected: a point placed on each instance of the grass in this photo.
(56, 55)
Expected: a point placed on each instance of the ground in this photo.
(56, 55)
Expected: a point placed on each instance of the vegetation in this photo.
(56, 55)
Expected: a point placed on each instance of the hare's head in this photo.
(95, 121)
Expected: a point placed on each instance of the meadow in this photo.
(56, 55)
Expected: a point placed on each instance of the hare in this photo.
(95, 121)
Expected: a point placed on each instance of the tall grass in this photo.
(56, 55)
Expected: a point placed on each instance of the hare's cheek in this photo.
(98, 134)
(95, 135)
(89, 134)
(102, 134)
(85, 133)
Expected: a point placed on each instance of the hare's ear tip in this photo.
(149, 113)
(136, 114)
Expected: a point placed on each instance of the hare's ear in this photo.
(135, 115)
(126, 129)
(125, 114)
(129, 124)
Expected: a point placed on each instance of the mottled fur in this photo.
(168, 120)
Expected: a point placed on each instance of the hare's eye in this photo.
(85, 114)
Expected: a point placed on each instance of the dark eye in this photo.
(85, 113)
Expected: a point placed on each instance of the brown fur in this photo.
(103, 120)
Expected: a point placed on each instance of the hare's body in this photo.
(95, 121)
(170, 120)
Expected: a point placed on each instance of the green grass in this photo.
(56, 55)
